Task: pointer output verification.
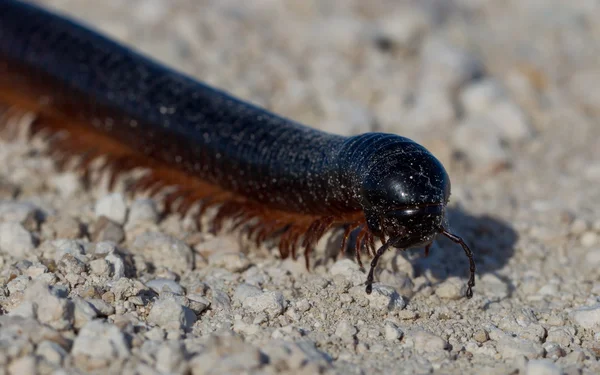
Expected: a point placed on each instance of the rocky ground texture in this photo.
(505, 93)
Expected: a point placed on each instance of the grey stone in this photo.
(542, 367)
(142, 211)
(169, 314)
(15, 240)
(244, 291)
(231, 261)
(112, 206)
(164, 250)
(99, 340)
(159, 285)
(587, 317)
(271, 303)
(345, 330)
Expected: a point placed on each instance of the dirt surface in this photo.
(505, 93)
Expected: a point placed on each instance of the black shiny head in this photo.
(405, 197)
(404, 200)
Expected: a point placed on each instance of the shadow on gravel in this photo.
(492, 241)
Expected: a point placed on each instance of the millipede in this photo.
(270, 177)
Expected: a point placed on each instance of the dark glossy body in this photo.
(211, 134)
(401, 188)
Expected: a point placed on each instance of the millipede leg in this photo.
(456, 239)
(379, 253)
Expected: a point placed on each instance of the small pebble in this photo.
(452, 288)
(50, 309)
(100, 341)
(426, 342)
(345, 330)
(25, 365)
(198, 303)
(271, 303)
(51, 352)
(102, 307)
(99, 267)
(105, 229)
(15, 240)
(383, 297)
(118, 266)
(113, 207)
(83, 312)
(169, 314)
(18, 212)
(142, 211)
(589, 239)
(232, 262)
(542, 367)
(164, 250)
(481, 336)
(578, 227)
(64, 227)
(587, 317)
(392, 332)
(227, 355)
(479, 96)
(165, 285)
(509, 347)
(244, 291)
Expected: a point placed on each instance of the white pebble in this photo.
(118, 265)
(446, 66)
(392, 332)
(164, 250)
(244, 291)
(66, 184)
(493, 286)
(542, 367)
(579, 226)
(170, 358)
(50, 309)
(271, 303)
(479, 96)
(25, 365)
(587, 317)
(18, 284)
(26, 309)
(142, 211)
(425, 342)
(101, 341)
(511, 121)
(16, 212)
(51, 352)
(480, 140)
(512, 347)
(99, 267)
(83, 312)
(169, 314)
(345, 330)
(161, 285)
(383, 297)
(231, 261)
(113, 206)
(15, 240)
(102, 307)
(589, 239)
(452, 289)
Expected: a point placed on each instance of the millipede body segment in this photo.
(267, 174)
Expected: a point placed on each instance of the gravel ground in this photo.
(506, 93)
